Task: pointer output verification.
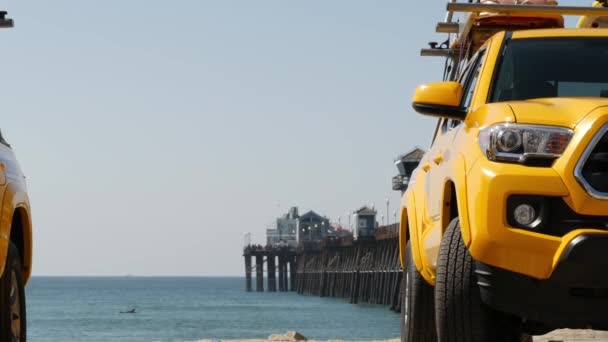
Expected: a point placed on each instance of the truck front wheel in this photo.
(12, 299)
(460, 314)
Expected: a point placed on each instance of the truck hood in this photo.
(565, 112)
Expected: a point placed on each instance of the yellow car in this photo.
(504, 228)
(15, 246)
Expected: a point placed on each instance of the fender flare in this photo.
(403, 236)
(460, 187)
(408, 228)
(12, 201)
(408, 231)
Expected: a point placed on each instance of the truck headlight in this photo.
(524, 144)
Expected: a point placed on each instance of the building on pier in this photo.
(313, 227)
(365, 223)
(285, 231)
(406, 163)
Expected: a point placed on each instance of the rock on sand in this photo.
(291, 336)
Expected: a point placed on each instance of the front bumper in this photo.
(575, 296)
(492, 240)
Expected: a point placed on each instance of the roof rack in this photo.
(464, 29)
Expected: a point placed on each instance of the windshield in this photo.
(552, 67)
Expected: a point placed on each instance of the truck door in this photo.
(442, 155)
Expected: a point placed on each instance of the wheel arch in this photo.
(408, 231)
(450, 204)
(403, 236)
(455, 201)
(16, 227)
(21, 236)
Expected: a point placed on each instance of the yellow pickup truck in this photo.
(15, 246)
(504, 229)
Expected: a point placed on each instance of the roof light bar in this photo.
(437, 52)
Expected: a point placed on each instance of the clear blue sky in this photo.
(155, 133)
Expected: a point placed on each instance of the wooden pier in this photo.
(366, 270)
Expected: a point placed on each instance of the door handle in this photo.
(438, 159)
(426, 167)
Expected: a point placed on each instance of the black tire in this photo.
(459, 312)
(12, 299)
(417, 301)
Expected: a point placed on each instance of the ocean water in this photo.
(190, 309)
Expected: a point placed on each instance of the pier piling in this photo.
(259, 270)
(285, 275)
(269, 255)
(248, 272)
(281, 274)
(272, 280)
(292, 273)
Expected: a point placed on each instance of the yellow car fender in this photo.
(14, 200)
(411, 231)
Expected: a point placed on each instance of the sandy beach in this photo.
(568, 335)
(565, 335)
(254, 340)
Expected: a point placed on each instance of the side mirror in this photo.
(440, 99)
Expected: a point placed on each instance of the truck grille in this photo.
(592, 169)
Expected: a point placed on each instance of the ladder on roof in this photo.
(467, 33)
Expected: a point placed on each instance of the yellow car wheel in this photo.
(417, 304)
(460, 314)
